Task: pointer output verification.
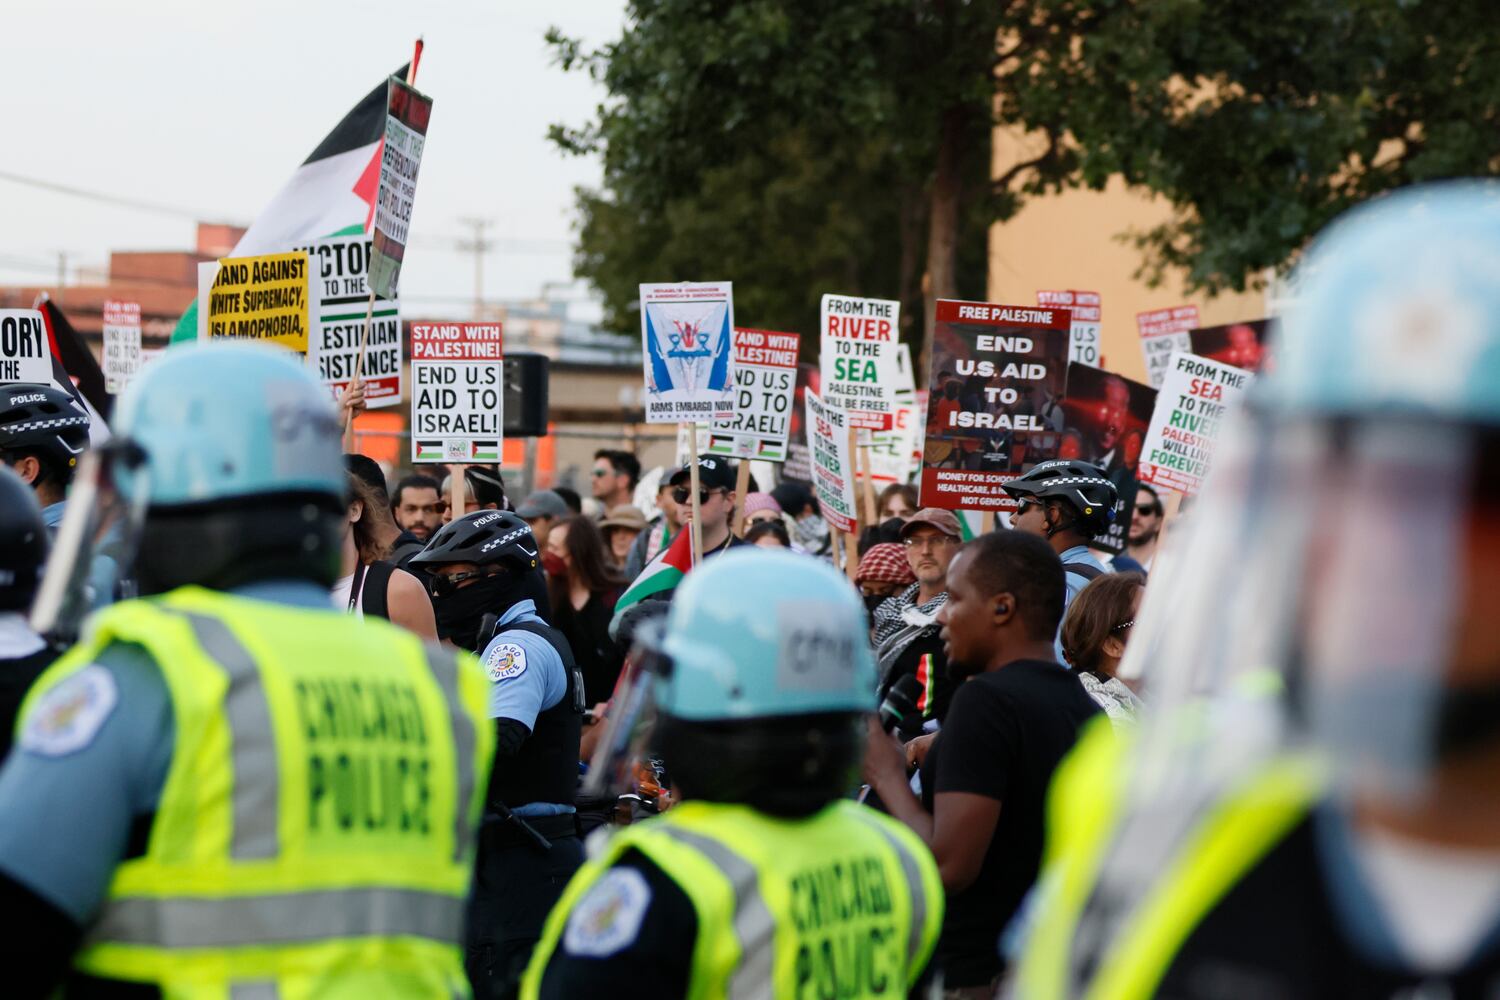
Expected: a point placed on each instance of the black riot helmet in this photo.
(23, 543)
(1092, 498)
(502, 548)
(42, 421)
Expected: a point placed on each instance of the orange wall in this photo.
(1068, 241)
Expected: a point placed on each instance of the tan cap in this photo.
(942, 520)
(624, 516)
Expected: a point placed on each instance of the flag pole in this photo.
(364, 333)
(697, 515)
(457, 485)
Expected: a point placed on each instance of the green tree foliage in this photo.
(803, 146)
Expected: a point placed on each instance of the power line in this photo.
(100, 196)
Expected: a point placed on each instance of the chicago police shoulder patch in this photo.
(609, 916)
(67, 718)
(504, 661)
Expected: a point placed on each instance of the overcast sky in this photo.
(210, 107)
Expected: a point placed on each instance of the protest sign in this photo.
(1087, 315)
(858, 347)
(122, 344)
(341, 292)
(456, 400)
(891, 451)
(1194, 398)
(993, 411)
(260, 298)
(1242, 345)
(1163, 332)
(765, 376)
(832, 463)
(24, 354)
(1105, 422)
(798, 463)
(406, 117)
(686, 338)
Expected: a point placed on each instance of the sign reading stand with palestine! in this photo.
(832, 465)
(407, 114)
(122, 344)
(688, 349)
(994, 408)
(341, 292)
(1195, 396)
(1087, 315)
(259, 298)
(24, 355)
(456, 400)
(858, 347)
(1163, 333)
(765, 376)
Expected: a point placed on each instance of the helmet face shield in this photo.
(1332, 590)
(631, 719)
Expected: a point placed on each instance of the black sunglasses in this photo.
(682, 495)
(1148, 509)
(443, 586)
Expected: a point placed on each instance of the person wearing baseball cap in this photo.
(716, 482)
(906, 635)
(542, 509)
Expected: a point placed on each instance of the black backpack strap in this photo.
(1083, 569)
(377, 582)
(402, 554)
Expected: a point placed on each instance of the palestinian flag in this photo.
(484, 451)
(661, 575)
(925, 678)
(74, 369)
(331, 194)
(430, 451)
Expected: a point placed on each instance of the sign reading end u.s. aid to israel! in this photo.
(687, 340)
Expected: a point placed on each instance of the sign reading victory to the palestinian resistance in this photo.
(859, 341)
(1087, 314)
(456, 400)
(1106, 420)
(994, 409)
(407, 115)
(688, 344)
(121, 358)
(765, 375)
(1195, 396)
(341, 293)
(259, 298)
(1164, 332)
(832, 465)
(24, 355)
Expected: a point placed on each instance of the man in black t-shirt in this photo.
(985, 778)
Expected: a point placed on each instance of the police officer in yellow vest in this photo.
(1314, 810)
(763, 881)
(229, 789)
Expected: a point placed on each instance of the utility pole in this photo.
(477, 246)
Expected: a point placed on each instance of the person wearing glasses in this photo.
(490, 596)
(1069, 504)
(1145, 529)
(1094, 634)
(614, 476)
(716, 482)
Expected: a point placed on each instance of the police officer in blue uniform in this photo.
(489, 596)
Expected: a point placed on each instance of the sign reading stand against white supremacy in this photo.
(688, 347)
(456, 373)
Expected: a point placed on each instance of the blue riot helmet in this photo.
(224, 468)
(758, 679)
(1342, 584)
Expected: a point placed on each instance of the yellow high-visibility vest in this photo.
(1086, 806)
(847, 900)
(315, 833)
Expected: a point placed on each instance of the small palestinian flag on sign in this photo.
(430, 450)
(485, 451)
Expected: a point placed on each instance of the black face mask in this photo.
(460, 613)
